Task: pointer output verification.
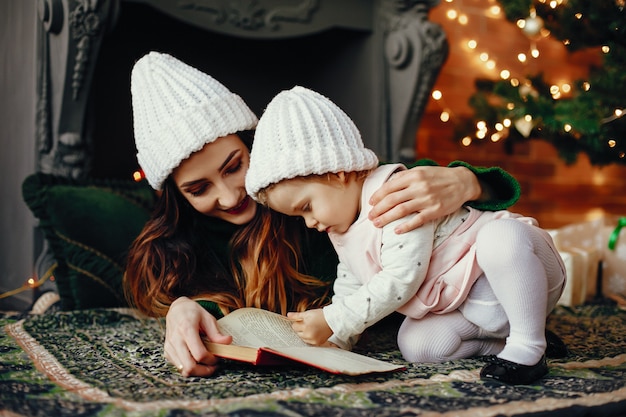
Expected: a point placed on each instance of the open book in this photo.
(261, 337)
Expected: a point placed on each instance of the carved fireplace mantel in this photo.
(404, 52)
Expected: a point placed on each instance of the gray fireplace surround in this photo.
(378, 60)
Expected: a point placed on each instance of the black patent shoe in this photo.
(513, 373)
(556, 348)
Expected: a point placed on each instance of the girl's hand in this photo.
(311, 326)
(186, 322)
(429, 191)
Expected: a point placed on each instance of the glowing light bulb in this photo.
(444, 116)
(495, 10)
(521, 57)
(472, 44)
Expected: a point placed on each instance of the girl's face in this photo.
(326, 204)
(213, 180)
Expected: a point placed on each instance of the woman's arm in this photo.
(499, 189)
(432, 191)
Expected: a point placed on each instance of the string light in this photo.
(534, 52)
(538, 31)
(138, 175)
(31, 283)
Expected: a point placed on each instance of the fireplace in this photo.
(378, 60)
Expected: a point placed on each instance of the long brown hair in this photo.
(266, 260)
(171, 258)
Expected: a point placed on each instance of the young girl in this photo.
(465, 281)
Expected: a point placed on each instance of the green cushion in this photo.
(89, 225)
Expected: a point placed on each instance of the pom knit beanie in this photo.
(178, 109)
(301, 133)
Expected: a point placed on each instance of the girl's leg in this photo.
(443, 337)
(522, 269)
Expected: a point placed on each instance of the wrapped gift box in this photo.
(614, 259)
(579, 235)
(582, 245)
(581, 265)
(574, 291)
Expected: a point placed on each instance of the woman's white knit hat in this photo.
(301, 133)
(178, 109)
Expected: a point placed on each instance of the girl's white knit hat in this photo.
(301, 133)
(178, 109)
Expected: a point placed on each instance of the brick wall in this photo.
(553, 192)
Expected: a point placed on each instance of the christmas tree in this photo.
(589, 118)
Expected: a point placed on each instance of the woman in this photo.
(208, 248)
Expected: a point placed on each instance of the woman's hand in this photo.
(429, 191)
(311, 326)
(186, 322)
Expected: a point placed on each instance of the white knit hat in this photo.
(178, 109)
(301, 133)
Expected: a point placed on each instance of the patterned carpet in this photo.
(110, 363)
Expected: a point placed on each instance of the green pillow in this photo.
(89, 225)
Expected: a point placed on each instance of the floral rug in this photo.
(110, 363)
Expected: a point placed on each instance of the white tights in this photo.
(505, 312)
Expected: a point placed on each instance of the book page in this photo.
(338, 360)
(259, 328)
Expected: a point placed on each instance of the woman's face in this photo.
(213, 180)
